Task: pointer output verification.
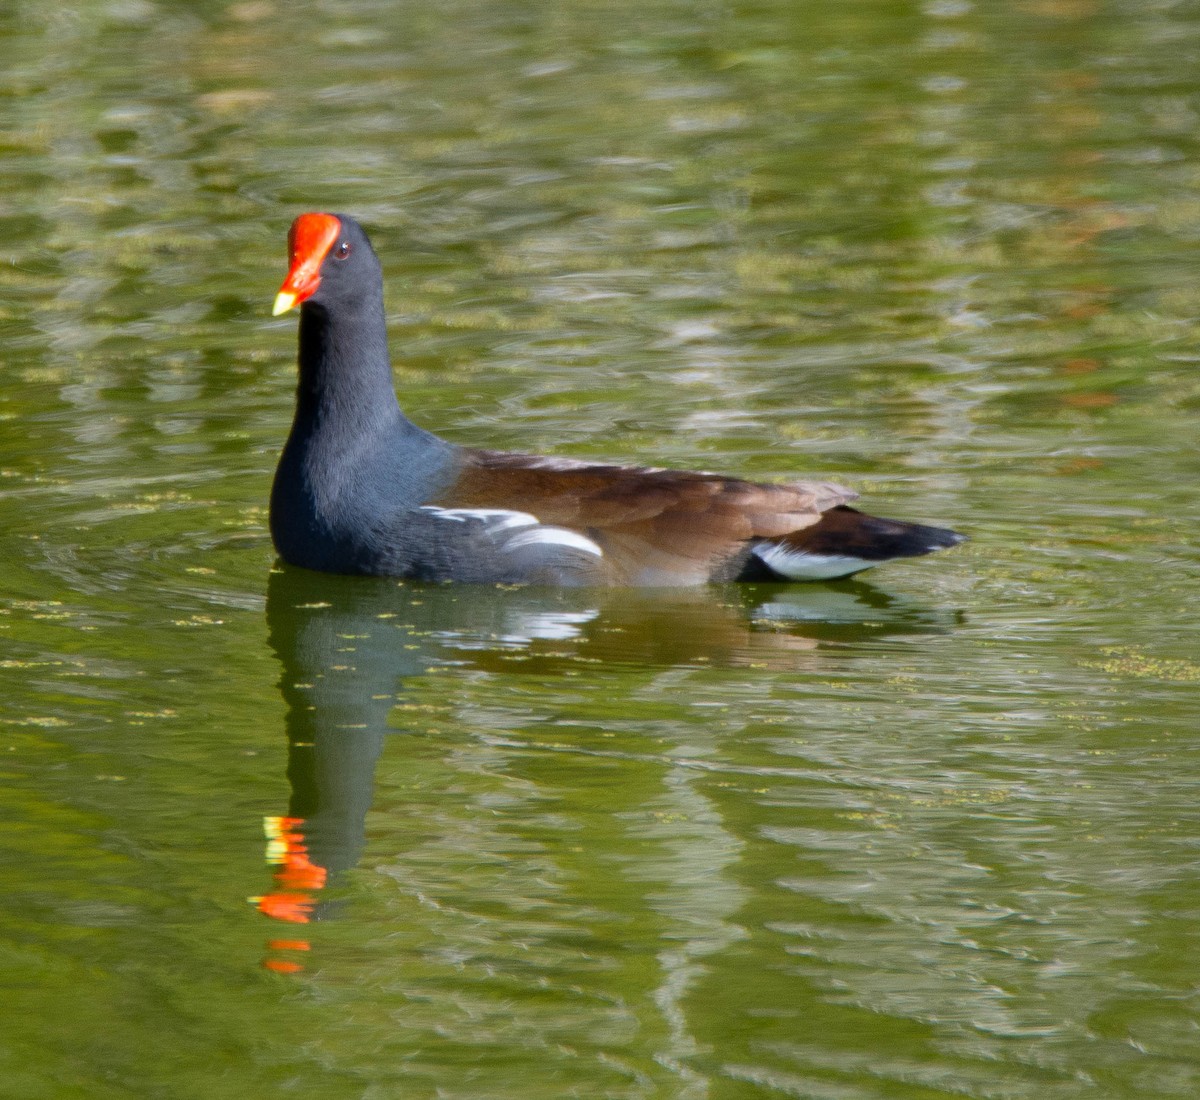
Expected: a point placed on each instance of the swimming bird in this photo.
(362, 489)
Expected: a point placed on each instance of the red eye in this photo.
(342, 250)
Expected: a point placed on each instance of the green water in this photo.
(929, 834)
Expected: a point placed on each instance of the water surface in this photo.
(930, 833)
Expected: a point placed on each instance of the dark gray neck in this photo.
(350, 445)
(345, 371)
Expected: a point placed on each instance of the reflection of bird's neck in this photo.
(338, 679)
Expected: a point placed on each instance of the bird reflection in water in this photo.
(348, 644)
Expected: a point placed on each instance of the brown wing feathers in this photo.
(655, 526)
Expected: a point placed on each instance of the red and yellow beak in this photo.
(309, 241)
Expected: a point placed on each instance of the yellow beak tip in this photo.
(283, 302)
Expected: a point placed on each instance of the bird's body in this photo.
(361, 489)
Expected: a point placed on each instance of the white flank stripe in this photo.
(530, 530)
(799, 566)
(553, 536)
(497, 519)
